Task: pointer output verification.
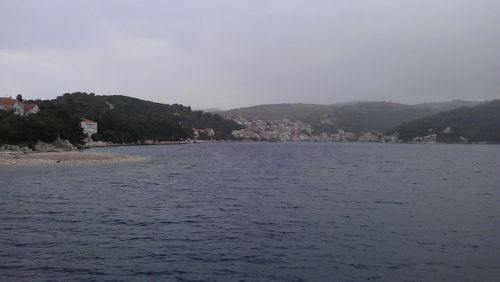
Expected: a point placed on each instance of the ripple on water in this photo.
(257, 212)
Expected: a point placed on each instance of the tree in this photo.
(19, 98)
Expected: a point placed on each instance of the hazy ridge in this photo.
(480, 123)
(354, 116)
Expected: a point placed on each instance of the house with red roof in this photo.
(9, 104)
(31, 109)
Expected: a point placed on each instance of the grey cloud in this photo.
(238, 53)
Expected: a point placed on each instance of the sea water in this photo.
(257, 212)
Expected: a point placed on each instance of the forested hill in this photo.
(365, 116)
(300, 111)
(354, 116)
(477, 124)
(277, 111)
(120, 119)
(447, 106)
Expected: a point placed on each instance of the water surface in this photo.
(257, 212)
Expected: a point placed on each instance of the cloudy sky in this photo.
(243, 52)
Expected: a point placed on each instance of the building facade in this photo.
(89, 127)
(31, 109)
(9, 104)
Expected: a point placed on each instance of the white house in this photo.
(89, 127)
(7, 103)
(209, 132)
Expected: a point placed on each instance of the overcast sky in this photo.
(239, 53)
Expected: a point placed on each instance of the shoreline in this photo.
(284, 141)
(11, 158)
(19, 158)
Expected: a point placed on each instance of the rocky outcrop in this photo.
(14, 148)
(59, 145)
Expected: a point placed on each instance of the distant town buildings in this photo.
(286, 130)
(89, 127)
(342, 136)
(19, 108)
(370, 137)
(203, 132)
(280, 130)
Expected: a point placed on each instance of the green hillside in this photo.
(120, 119)
(448, 105)
(477, 124)
(355, 117)
(365, 116)
(276, 111)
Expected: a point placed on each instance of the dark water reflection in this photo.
(257, 212)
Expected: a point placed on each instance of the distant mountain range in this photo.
(447, 106)
(354, 116)
(212, 110)
(276, 111)
(301, 110)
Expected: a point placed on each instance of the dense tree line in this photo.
(120, 119)
(477, 124)
(43, 126)
(365, 116)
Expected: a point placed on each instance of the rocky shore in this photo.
(59, 145)
(58, 152)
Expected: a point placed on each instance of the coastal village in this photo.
(283, 130)
(279, 131)
(286, 130)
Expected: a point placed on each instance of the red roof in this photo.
(7, 101)
(88, 120)
(28, 107)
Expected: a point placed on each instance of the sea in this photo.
(257, 212)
